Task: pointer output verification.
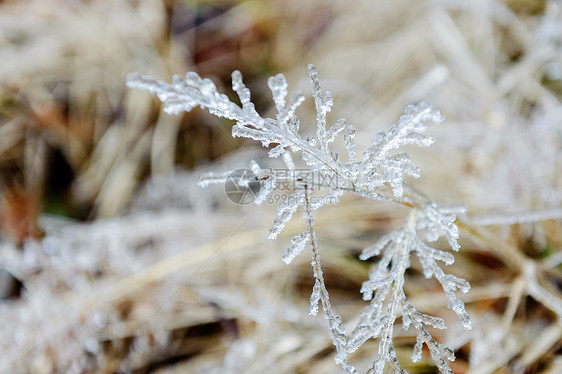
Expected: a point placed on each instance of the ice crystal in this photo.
(379, 175)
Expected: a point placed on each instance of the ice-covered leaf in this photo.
(278, 86)
(315, 298)
(298, 243)
(417, 354)
(285, 211)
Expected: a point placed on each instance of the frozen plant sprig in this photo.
(387, 280)
(378, 175)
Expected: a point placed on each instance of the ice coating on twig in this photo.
(378, 174)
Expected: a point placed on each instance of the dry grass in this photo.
(164, 277)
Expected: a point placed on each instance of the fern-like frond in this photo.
(378, 175)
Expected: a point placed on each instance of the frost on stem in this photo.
(378, 175)
(384, 289)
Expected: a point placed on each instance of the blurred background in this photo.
(112, 259)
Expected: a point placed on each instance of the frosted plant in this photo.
(378, 175)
